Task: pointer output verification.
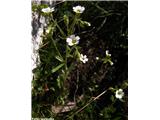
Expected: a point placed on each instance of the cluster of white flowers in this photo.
(78, 9)
(48, 10)
(72, 40)
(119, 94)
(83, 58)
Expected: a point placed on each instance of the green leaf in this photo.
(59, 58)
(60, 29)
(57, 51)
(57, 68)
(58, 82)
(83, 23)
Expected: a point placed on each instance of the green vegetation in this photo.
(69, 85)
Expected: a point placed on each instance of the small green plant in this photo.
(70, 56)
(61, 54)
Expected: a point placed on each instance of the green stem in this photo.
(66, 61)
(61, 31)
(59, 54)
(89, 102)
(73, 24)
(55, 22)
(69, 33)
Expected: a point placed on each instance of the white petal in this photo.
(46, 10)
(82, 9)
(81, 59)
(69, 40)
(70, 44)
(77, 42)
(82, 55)
(72, 36)
(77, 37)
(107, 52)
(52, 9)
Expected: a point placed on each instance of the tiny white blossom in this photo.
(119, 94)
(78, 9)
(72, 40)
(111, 63)
(83, 58)
(48, 10)
(97, 58)
(107, 53)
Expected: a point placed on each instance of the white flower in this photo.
(72, 40)
(48, 10)
(78, 9)
(119, 94)
(97, 58)
(107, 53)
(83, 58)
